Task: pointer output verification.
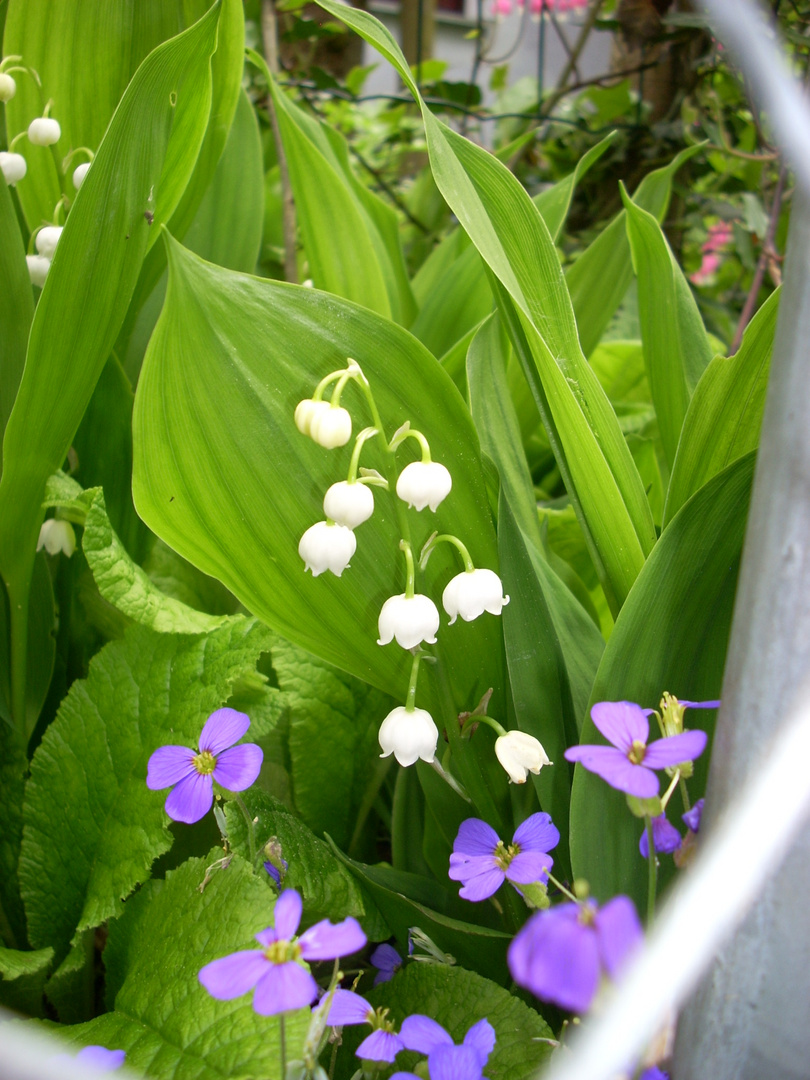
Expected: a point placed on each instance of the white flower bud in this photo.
(409, 735)
(471, 593)
(79, 174)
(44, 131)
(327, 547)
(409, 619)
(422, 484)
(331, 427)
(38, 267)
(47, 239)
(55, 536)
(8, 87)
(14, 167)
(348, 504)
(306, 411)
(520, 754)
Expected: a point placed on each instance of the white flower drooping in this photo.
(348, 503)
(38, 267)
(305, 413)
(13, 166)
(331, 427)
(47, 239)
(44, 131)
(55, 536)
(326, 546)
(8, 87)
(79, 174)
(520, 754)
(471, 593)
(409, 619)
(409, 735)
(424, 483)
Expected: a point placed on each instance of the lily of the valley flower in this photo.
(47, 239)
(424, 483)
(13, 166)
(327, 546)
(520, 754)
(471, 593)
(331, 427)
(38, 267)
(8, 87)
(55, 536)
(305, 413)
(44, 131)
(409, 619)
(349, 503)
(79, 174)
(409, 734)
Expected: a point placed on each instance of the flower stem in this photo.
(282, 1038)
(668, 794)
(652, 881)
(563, 889)
(410, 580)
(446, 538)
(250, 826)
(484, 719)
(687, 806)
(451, 780)
(366, 433)
(410, 700)
(333, 376)
(411, 433)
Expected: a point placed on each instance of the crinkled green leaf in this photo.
(13, 769)
(22, 977)
(141, 692)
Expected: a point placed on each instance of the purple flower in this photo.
(383, 1044)
(628, 765)
(191, 775)
(482, 861)
(386, 959)
(666, 837)
(446, 1061)
(654, 1073)
(94, 1058)
(561, 953)
(692, 817)
(274, 871)
(281, 979)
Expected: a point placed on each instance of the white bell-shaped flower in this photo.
(424, 483)
(471, 593)
(38, 267)
(409, 735)
(409, 619)
(520, 754)
(8, 87)
(331, 427)
(14, 167)
(47, 239)
(306, 411)
(79, 174)
(348, 504)
(44, 131)
(327, 547)
(55, 536)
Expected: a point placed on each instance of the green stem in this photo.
(354, 464)
(411, 433)
(446, 538)
(668, 793)
(563, 889)
(496, 727)
(333, 376)
(687, 806)
(282, 1037)
(450, 780)
(410, 572)
(652, 881)
(410, 700)
(250, 826)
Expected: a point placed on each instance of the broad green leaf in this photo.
(408, 825)
(619, 366)
(555, 202)
(140, 170)
(725, 413)
(676, 348)
(16, 308)
(514, 241)
(170, 930)
(179, 579)
(600, 277)
(141, 692)
(22, 977)
(671, 635)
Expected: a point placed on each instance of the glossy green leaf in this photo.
(676, 347)
(141, 692)
(725, 413)
(22, 977)
(555, 202)
(671, 635)
(16, 308)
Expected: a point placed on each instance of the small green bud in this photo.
(536, 895)
(581, 889)
(644, 807)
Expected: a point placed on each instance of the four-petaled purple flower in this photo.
(281, 979)
(191, 775)
(628, 765)
(383, 1044)
(446, 1061)
(560, 953)
(482, 861)
(666, 837)
(386, 959)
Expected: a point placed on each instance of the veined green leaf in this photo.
(22, 977)
(555, 202)
(676, 348)
(16, 308)
(725, 413)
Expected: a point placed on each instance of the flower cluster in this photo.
(717, 240)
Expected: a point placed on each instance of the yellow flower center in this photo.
(204, 762)
(637, 751)
(504, 854)
(282, 952)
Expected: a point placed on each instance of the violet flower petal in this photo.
(614, 767)
(619, 933)
(267, 937)
(454, 1063)
(283, 988)
(348, 1008)
(482, 886)
(692, 817)
(169, 765)
(403, 1076)
(529, 866)
(475, 837)
(327, 941)
(237, 768)
(191, 799)
(621, 722)
(537, 833)
(386, 958)
(557, 958)
(287, 914)
(422, 1034)
(676, 748)
(666, 837)
(222, 729)
(234, 975)
(700, 704)
(100, 1059)
(463, 867)
(380, 1046)
(481, 1037)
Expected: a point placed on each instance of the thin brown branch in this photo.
(765, 257)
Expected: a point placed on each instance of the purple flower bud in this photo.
(387, 960)
(666, 837)
(692, 817)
